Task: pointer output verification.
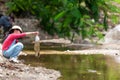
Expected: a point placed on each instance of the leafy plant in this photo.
(67, 18)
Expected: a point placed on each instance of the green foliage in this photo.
(114, 10)
(66, 17)
(116, 1)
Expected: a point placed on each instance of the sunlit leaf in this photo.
(60, 15)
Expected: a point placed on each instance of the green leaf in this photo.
(60, 15)
(76, 13)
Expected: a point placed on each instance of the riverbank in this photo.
(106, 49)
(20, 71)
(11, 71)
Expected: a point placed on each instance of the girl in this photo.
(11, 47)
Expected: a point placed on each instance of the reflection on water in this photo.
(77, 67)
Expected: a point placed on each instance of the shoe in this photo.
(14, 60)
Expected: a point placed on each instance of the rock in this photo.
(113, 36)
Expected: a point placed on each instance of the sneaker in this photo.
(14, 60)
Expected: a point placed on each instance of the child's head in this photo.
(15, 29)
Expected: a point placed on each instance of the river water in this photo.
(78, 67)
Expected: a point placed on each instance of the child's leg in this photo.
(14, 50)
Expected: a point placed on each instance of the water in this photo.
(78, 67)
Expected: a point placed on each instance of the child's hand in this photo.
(37, 33)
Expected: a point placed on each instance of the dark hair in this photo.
(1, 15)
(4, 38)
(11, 15)
(9, 32)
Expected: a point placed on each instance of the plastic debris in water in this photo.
(37, 38)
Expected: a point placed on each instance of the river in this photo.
(77, 66)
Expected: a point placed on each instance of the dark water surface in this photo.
(78, 67)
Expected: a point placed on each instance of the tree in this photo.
(66, 18)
